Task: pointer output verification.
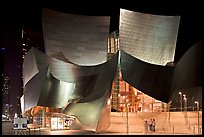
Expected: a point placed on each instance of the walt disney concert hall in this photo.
(74, 78)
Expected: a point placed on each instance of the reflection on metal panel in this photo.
(104, 120)
(22, 104)
(81, 88)
(99, 77)
(30, 68)
(150, 38)
(33, 62)
(75, 36)
(33, 89)
(105, 75)
(60, 56)
(55, 93)
(188, 71)
(153, 80)
(88, 113)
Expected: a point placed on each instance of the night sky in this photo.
(28, 13)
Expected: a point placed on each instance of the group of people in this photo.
(150, 126)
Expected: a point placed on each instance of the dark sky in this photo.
(28, 13)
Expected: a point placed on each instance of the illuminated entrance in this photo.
(60, 121)
(123, 93)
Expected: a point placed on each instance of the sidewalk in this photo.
(6, 130)
(46, 131)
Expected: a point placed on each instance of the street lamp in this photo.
(184, 95)
(126, 105)
(197, 103)
(180, 100)
(185, 102)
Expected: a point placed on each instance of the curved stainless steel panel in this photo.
(55, 93)
(33, 89)
(188, 71)
(67, 33)
(60, 56)
(30, 67)
(87, 113)
(153, 80)
(148, 37)
(96, 79)
(82, 83)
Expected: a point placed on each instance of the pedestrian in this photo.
(150, 125)
(153, 125)
(146, 126)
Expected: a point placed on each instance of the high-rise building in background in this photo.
(31, 38)
(6, 106)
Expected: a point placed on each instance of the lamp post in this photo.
(185, 107)
(196, 102)
(185, 102)
(180, 100)
(126, 105)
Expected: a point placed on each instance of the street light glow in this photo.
(181, 100)
(196, 102)
(184, 95)
(185, 101)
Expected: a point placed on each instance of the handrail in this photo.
(189, 126)
(171, 126)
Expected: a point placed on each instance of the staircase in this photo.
(169, 123)
(192, 121)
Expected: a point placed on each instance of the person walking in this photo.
(150, 125)
(146, 126)
(153, 125)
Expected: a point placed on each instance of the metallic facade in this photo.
(188, 70)
(153, 80)
(74, 74)
(161, 82)
(75, 36)
(150, 38)
(82, 91)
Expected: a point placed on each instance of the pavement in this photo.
(7, 126)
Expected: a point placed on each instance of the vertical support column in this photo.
(198, 117)
(197, 103)
(126, 105)
(181, 100)
(118, 72)
(44, 117)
